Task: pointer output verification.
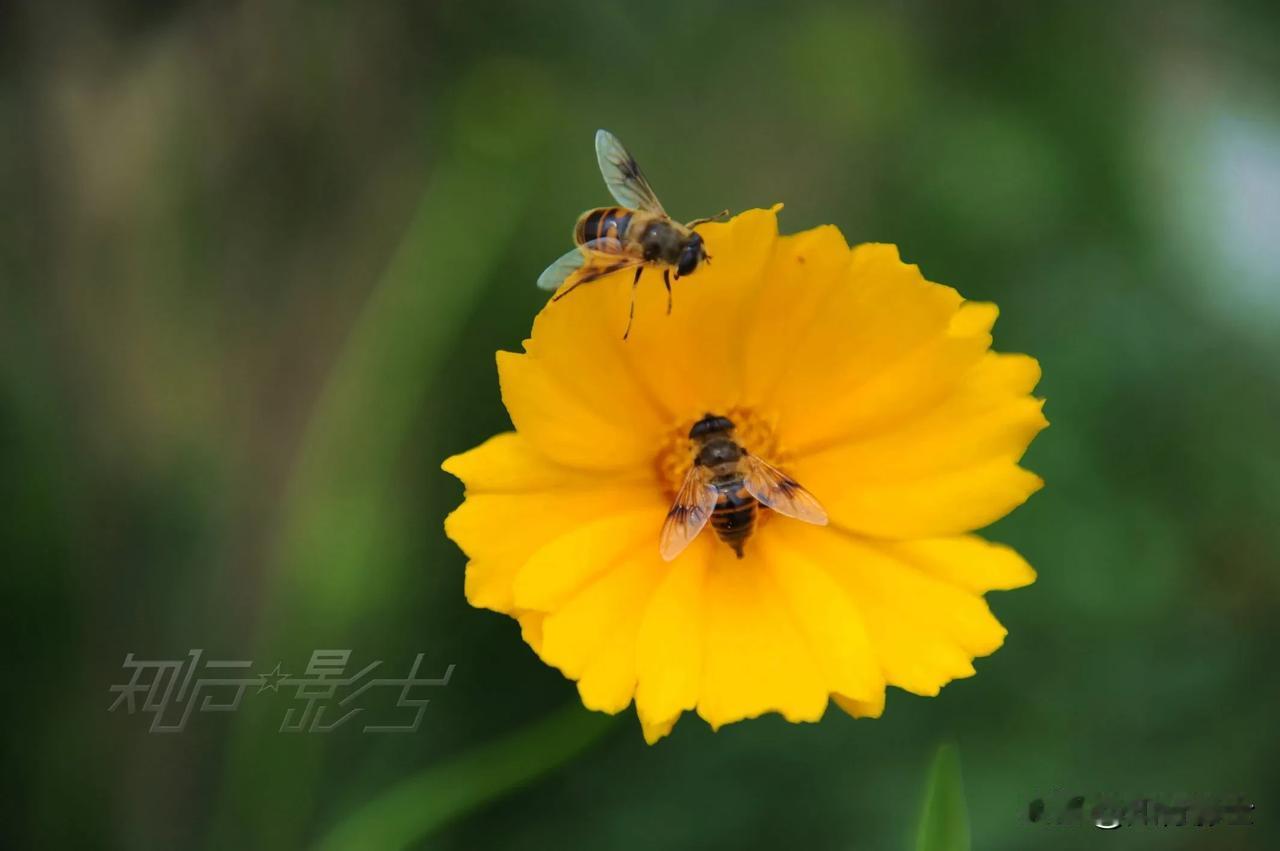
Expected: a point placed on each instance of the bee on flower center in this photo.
(637, 234)
(726, 486)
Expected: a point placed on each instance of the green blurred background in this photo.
(257, 258)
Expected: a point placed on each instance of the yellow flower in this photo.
(872, 387)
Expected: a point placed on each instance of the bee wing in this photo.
(689, 513)
(778, 491)
(623, 176)
(576, 258)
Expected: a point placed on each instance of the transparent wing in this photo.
(555, 274)
(575, 258)
(623, 177)
(689, 514)
(778, 491)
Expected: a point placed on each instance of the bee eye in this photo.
(688, 261)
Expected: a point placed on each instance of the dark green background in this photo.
(255, 263)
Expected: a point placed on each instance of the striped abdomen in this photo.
(734, 516)
(603, 222)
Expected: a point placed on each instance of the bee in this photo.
(637, 233)
(726, 485)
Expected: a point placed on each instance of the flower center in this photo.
(751, 431)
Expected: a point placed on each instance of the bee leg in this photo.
(723, 214)
(573, 287)
(666, 279)
(635, 282)
(588, 277)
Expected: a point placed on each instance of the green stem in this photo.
(425, 802)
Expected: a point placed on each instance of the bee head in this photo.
(709, 424)
(690, 255)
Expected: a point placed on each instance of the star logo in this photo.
(271, 680)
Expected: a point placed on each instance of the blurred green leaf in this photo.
(422, 804)
(341, 534)
(944, 822)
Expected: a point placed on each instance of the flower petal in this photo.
(580, 427)
(756, 659)
(656, 731)
(912, 384)
(531, 628)
(669, 649)
(966, 561)
(834, 630)
(692, 357)
(566, 563)
(592, 638)
(949, 470)
(861, 708)
(832, 329)
(580, 379)
(801, 275)
(507, 463)
(518, 502)
(925, 631)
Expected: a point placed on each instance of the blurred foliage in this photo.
(258, 259)
(944, 819)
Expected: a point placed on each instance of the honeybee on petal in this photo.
(638, 233)
(726, 486)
